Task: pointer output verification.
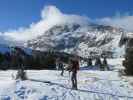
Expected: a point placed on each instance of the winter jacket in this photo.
(75, 66)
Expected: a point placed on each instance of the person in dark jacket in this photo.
(61, 66)
(105, 63)
(74, 69)
(89, 62)
(98, 63)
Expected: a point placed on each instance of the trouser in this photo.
(62, 72)
(74, 80)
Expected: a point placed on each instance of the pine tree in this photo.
(128, 62)
(1, 58)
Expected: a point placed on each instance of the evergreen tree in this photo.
(1, 58)
(128, 62)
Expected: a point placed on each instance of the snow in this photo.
(85, 38)
(60, 89)
(49, 85)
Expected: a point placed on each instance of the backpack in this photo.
(75, 65)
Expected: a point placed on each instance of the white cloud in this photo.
(125, 22)
(50, 16)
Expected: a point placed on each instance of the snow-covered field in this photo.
(49, 85)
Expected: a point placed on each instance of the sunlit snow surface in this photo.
(49, 85)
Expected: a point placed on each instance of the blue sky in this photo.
(21, 13)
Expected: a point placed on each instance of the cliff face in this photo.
(82, 38)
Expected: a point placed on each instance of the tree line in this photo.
(18, 57)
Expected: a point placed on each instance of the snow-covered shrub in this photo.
(21, 74)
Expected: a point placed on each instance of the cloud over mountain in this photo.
(125, 22)
(50, 16)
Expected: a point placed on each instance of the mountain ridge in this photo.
(71, 37)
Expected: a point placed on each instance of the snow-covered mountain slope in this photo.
(69, 33)
(82, 39)
(49, 85)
